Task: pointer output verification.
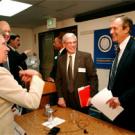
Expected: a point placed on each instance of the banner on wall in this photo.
(104, 48)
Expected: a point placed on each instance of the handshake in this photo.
(26, 75)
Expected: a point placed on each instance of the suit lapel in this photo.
(64, 64)
(77, 61)
(124, 57)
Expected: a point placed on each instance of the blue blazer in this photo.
(54, 68)
(124, 86)
(16, 60)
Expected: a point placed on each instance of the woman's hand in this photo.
(26, 75)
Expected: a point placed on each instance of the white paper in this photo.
(56, 121)
(99, 101)
(18, 129)
(83, 70)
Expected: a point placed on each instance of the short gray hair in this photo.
(68, 35)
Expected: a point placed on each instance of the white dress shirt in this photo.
(122, 48)
(73, 62)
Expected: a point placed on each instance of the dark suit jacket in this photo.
(82, 60)
(54, 69)
(16, 60)
(124, 86)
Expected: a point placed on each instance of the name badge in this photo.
(55, 57)
(83, 70)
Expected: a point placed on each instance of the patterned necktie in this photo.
(70, 75)
(114, 68)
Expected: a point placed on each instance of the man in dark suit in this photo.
(83, 73)
(59, 50)
(123, 85)
(16, 60)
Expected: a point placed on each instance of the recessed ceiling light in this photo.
(10, 7)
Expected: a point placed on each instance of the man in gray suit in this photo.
(82, 73)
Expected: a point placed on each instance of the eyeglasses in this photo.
(74, 42)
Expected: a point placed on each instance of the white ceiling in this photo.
(60, 9)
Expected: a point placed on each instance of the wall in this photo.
(85, 38)
(61, 24)
(27, 38)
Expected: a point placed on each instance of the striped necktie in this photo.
(70, 75)
(114, 68)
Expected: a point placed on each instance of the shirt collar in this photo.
(61, 50)
(12, 48)
(124, 43)
(73, 55)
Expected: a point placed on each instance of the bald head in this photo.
(5, 27)
(3, 48)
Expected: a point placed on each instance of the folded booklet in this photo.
(99, 101)
(84, 95)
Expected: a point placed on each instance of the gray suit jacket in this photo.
(12, 93)
(82, 60)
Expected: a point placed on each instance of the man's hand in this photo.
(26, 75)
(113, 102)
(89, 102)
(28, 52)
(61, 102)
(49, 79)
